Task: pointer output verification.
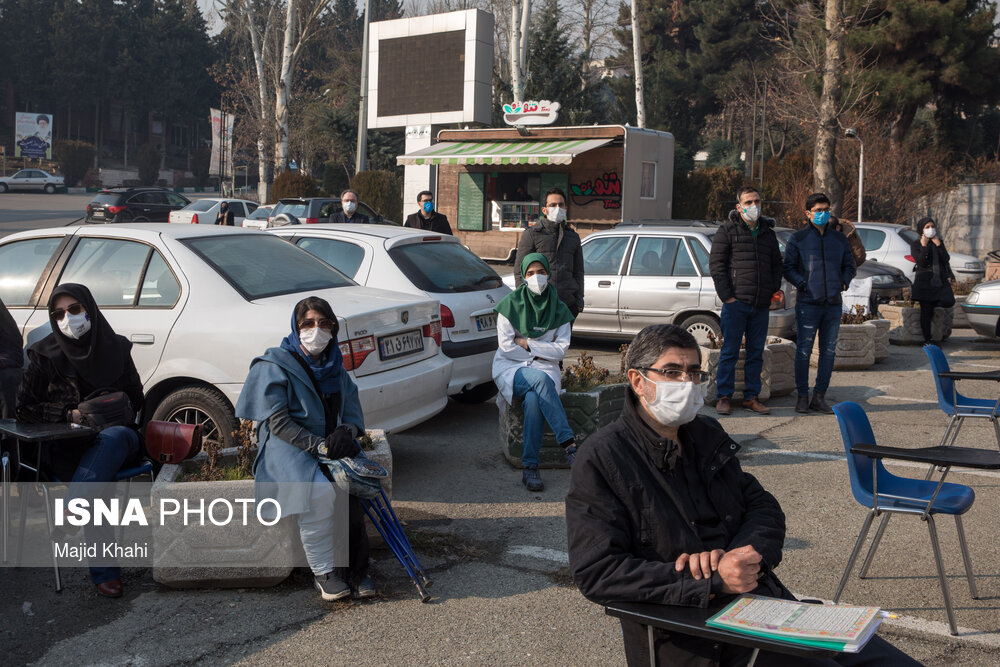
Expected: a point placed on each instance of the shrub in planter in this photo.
(383, 191)
(75, 158)
(293, 184)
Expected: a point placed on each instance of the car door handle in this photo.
(143, 339)
(683, 284)
(604, 283)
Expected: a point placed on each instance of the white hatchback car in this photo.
(204, 211)
(428, 265)
(200, 302)
(890, 244)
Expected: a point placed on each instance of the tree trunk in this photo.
(824, 154)
(901, 125)
(640, 104)
(258, 46)
(282, 90)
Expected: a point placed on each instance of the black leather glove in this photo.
(340, 444)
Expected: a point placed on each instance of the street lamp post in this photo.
(851, 133)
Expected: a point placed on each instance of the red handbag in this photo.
(170, 442)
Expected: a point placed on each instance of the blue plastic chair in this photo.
(886, 494)
(954, 404)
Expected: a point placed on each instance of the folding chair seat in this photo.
(954, 404)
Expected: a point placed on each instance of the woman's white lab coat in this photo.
(543, 353)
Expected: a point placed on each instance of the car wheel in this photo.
(700, 326)
(283, 220)
(200, 405)
(478, 394)
(140, 219)
(3, 187)
(50, 189)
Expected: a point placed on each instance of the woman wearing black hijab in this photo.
(82, 355)
(11, 362)
(933, 275)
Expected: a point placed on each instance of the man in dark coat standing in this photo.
(427, 218)
(660, 511)
(746, 267)
(553, 237)
(348, 213)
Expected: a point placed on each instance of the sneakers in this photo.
(802, 404)
(754, 405)
(818, 403)
(531, 479)
(364, 589)
(331, 587)
(722, 406)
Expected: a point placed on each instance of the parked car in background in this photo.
(204, 211)
(315, 210)
(258, 219)
(656, 272)
(142, 204)
(428, 265)
(888, 282)
(32, 179)
(890, 244)
(982, 307)
(199, 302)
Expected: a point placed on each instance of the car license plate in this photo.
(486, 322)
(99, 213)
(400, 345)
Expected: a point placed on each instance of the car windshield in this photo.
(260, 265)
(298, 209)
(201, 205)
(909, 235)
(105, 198)
(444, 267)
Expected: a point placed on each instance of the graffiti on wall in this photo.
(607, 189)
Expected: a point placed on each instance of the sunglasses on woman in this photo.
(73, 309)
(310, 323)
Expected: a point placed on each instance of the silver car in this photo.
(982, 307)
(32, 179)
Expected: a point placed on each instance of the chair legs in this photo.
(50, 525)
(954, 424)
(854, 554)
(941, 577)
(965, 557)
(871, 551)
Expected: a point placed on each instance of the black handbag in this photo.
(106, 408)
(946, 297)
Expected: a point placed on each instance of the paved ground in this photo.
(497, 554)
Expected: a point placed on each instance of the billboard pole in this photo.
(361, 161)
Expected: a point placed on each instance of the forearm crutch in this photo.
(390, 518)
(372, 509)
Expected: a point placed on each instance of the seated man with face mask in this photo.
(660, 511)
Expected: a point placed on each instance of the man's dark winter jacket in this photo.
(744, 267)
(356, 219)
(561, 245)
(436, 223)
(626, 524)
(820, 265)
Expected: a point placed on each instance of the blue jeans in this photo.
(739, 320)
(810, 319)
(540, 403)
(113, 449)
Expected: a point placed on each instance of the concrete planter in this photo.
(228, 556)
(710, 363)
(905, 324)
(586, 412)
(959, 319)
(782, 375)
(881, 339)
(855, 347)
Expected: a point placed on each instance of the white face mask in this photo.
(676, 403)
(74, 326)
(555, 214)
(350, 207)
(751, 213)
(537, 282)
(315, 340)
(930, 232)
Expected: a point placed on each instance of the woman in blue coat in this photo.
(307, 405)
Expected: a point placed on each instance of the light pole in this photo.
(851, 133)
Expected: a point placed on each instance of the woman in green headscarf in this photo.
(533, 328)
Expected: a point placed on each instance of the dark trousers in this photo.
(359, 549)
(739, 320)
(810, 320)
(927, 318)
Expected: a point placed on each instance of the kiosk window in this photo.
(647, 189)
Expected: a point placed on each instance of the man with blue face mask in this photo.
(427, 218)
(818, 261)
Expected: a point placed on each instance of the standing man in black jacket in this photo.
(746, 267)
(660, 511)
(553, 237)
(427, 218)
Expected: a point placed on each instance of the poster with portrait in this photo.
(33, 135)
(222, 144)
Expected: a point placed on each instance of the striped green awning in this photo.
(502, 152)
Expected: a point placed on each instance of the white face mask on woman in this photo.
(930, 232)
(537, 282)
(676, 403)
(315, 340)
(74, 326)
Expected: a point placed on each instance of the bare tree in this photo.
(640, 104)
(593, 22)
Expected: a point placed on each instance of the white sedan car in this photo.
(890, 244)
(428, 265)
(204, 211)
(32, 179)
(200, 302)
(982, 307)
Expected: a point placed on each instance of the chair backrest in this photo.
(855, 428)
(945, 387)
